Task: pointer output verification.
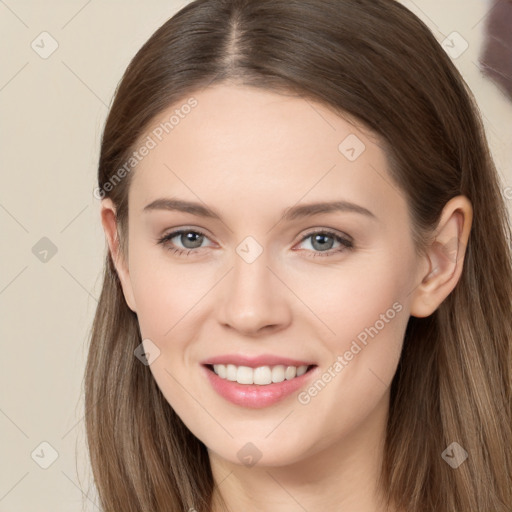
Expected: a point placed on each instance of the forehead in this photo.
(240, 146)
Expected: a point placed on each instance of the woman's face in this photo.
(268, 275)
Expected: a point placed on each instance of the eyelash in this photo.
(346, 244)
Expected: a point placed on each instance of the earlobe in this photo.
(109, 222)
(445, 257)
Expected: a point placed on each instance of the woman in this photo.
(306, 302)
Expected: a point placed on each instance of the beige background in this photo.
(52, 115)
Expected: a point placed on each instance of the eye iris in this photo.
(195, 238)
(321, 238)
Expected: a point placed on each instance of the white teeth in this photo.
(230, 372)
(278, 373)
(262, 375)
(290, 372)
(244, 375)
(221, 370)
(301, 370)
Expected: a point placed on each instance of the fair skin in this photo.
(249, 155)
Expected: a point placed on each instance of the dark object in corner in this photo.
(496, 56)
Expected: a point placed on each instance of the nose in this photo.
(254, 299)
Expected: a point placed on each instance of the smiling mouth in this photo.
(262, 375)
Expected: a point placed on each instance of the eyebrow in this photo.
(292, 213)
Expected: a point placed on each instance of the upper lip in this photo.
(255, 361)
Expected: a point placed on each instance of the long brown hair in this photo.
(376, 61)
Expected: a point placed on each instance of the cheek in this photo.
(369, 342)
(165, 291)
(354, 296)
(345, 301)
(364, 314)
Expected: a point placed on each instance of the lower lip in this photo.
(255, 396)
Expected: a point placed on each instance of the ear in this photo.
(444, 257)
(109, 222)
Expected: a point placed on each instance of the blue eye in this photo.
(192, 240)
(320, 240)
